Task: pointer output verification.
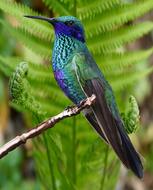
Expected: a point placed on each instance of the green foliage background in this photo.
(71, 156)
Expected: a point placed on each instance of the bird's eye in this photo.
(69, 23)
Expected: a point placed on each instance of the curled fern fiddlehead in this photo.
(131, 118)
(17, 82)
(20, 91)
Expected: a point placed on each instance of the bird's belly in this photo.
(70, 85)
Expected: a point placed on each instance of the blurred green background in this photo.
(119, 34)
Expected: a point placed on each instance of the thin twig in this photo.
(17, 141)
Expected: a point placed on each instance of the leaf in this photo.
(37, 28)
(58, 7)
(110, 41)
(116, 16)
(88, 9)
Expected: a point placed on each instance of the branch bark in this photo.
(17, 141)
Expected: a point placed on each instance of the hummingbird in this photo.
(78, 75)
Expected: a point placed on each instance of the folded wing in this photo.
(104, 116)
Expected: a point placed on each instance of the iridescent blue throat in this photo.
(72, 31)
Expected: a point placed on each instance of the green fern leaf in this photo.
(88, 9)
(110, 41)
(19, 91)
(58, 7)
(37, 45)
(131, 116)
(40, 29)
(116, 16)
(119, 60)
(125, 80)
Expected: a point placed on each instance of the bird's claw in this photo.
(81, 103)
(68, 108)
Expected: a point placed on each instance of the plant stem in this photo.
(49, 162)
(74, 151)
(105, 168)
(74, 8)
(48, 157)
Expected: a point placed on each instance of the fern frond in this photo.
(58, 7)
(115, 74)
(16, 83)
(7, 70)
(34, 44)
(47, 98)
(94, 161)
(20, 92)
(23, 96)
(40, 47)
(37, 28)
(126, 71)
(110, 41)
(38, 75)
(119, 60)
(116, 16)
(125, 80)
(59, 156)
(14, 60)
(131, 116)
(88, 9)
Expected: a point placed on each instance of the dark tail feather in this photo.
(119, 140)
(134, 161)
(92, 120)
(112, 127)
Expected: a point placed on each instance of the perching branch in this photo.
(17, 141)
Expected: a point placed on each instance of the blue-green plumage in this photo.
(63, 53)
(79, 77)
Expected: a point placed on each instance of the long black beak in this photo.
(51, 20)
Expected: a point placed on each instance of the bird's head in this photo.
(67, 25)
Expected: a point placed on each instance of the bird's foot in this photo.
(69, 108)
(81, 103)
